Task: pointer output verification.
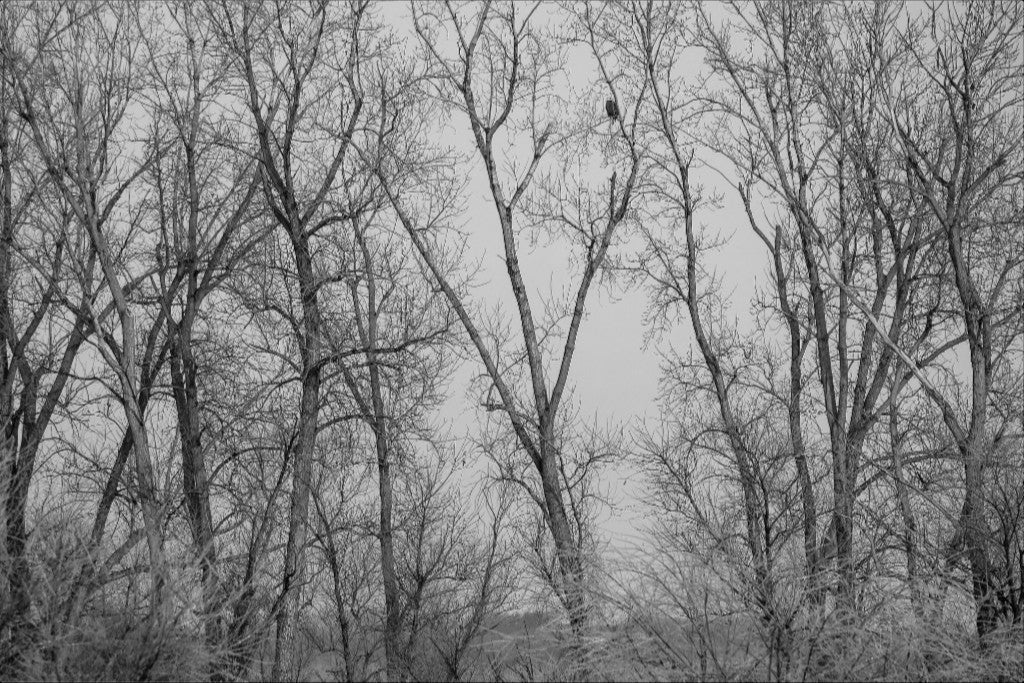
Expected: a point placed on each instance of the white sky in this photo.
(616, 366)
(615, 371)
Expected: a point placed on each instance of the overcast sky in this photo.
(616, 366)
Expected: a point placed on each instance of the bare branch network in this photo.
(511, 341)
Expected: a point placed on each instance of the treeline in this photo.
(235, 285)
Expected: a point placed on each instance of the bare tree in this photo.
(35, 280)
(204, 190)
(296, 182)
(242, 256)
(953, 123)
(79, 131)
(805, 138)
(676, 279)
(498, 74)
(402, 330)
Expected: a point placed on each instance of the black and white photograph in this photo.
(508, 340)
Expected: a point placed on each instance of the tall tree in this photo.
(812, 144)
(37, 290)
(315, 86)
(958, 123)
(499, 75)
(402, 330)
(79, 129)
(204, 192)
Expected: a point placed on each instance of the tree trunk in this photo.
(146, 479)
(795, 419)
(392, 615)
(973, 448)
(309, 407)
(567, 549)
(195, 481)
(977, 535)
(903, 501)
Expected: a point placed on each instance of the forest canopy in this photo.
(253, 253)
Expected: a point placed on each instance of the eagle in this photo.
(612, 109)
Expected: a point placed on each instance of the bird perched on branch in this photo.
(612, 109)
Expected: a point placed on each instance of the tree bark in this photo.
(309, 410)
